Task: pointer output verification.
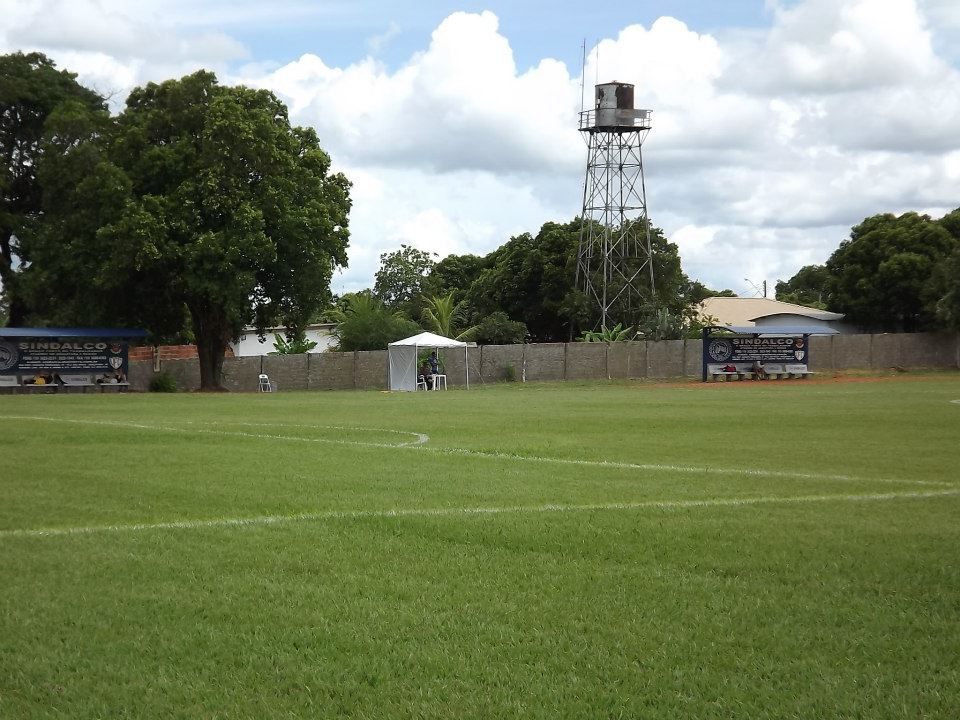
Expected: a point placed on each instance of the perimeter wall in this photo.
(550, 361)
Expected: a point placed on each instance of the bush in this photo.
(163, 383)
(510, 373)
(498, 329)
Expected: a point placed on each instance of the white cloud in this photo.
(767, 145)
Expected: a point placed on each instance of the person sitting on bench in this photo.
(758, 372)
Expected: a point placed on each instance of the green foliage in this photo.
(809, 287)
(496, 329)
(883, 276)
(400, 279)
(368, 324)
(163, 383)
(444, 317)
(531, 280)
(454, 274)
(948, 280)
(297, 345)
(31, 90)
(509, 373)
(664, 325)
(618, 333)
(198, 200)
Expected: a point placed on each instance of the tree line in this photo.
(198, 210)
(522, 291)
(893, 274)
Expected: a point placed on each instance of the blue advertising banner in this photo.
(739, 348)
(32, 354)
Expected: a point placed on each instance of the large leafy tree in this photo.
(809, 287)
(531, 279)
(31, 90)
(401, 277)
(209, 204)
(883, 275)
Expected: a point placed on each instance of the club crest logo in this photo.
(798, 354)
(8, 356)
(116, 363)
(720, 350)
(115, 348)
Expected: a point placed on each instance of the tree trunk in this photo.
(18, 310)
(209, 328)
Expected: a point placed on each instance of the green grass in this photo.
(783, 550)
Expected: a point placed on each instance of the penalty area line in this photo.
(265, 520)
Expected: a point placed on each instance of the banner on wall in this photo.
(24, 355)
(739, 348)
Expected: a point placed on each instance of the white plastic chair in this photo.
(265, 385)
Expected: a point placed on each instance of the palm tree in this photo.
(443, 316)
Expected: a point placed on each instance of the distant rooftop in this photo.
(72, 332)
(745, 311)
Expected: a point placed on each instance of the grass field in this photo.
(747, 550)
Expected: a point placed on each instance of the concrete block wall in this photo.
(665, 359)
(851, 351)
(241, 374)
(371, 369)
(289, 372)
(586, 361)
(453, 362)
(330, 371)
(930, 350)
(543, 361)
(693, 358)
(821, 353)
(139, 375)
(494, 360)
(550, 361)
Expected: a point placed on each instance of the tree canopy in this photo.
(198, 200)
(883, 276)
(31, 90)
(400, 279)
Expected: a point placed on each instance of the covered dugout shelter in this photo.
(67, 353)
(403, 358)
(745, 344)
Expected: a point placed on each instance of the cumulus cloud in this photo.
(113, 45)
(767, 145)
(458, 105)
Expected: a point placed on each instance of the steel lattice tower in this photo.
(615, 259)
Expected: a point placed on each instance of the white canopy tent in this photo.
(403, 358)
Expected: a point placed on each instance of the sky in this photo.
(777, 124)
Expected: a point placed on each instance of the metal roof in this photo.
(742, 311)
(776, 329)
(73, 332)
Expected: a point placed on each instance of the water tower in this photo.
(614, 263)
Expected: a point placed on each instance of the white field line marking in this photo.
(682, 468)
(447, 512)
(955, 402)
(422, 439)
(419, 438)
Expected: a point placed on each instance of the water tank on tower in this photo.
(614, 109)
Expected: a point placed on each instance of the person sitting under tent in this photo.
(425, 375)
